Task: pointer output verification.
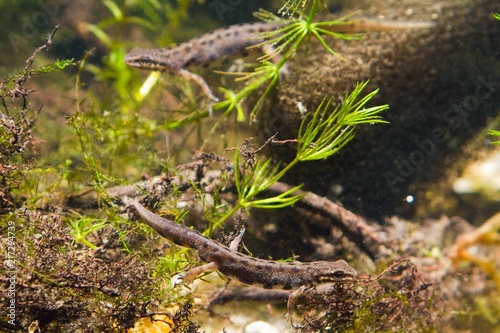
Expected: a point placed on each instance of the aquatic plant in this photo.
(286, 42)
(320, 136)
(17, 120)
(495, 133)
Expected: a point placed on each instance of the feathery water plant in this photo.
(320, 136)
(326, 133)
(287, 39)
(286, 42)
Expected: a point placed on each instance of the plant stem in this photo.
(312, 12)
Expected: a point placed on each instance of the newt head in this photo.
(333, 271)
(151, 59)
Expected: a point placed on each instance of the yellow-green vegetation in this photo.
(494, 133)
(83, 227)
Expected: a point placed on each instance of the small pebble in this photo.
(260, 327)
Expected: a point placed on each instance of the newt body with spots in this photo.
(202, 50)
(268, 274)
(209, 47)
(253, 271)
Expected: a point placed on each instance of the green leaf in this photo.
(100, 34)
(114, 9)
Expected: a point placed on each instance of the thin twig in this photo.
(354, 227)
(30, 60)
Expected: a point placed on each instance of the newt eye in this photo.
(145, 60)
(338, 275)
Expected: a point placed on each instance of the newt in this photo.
(269, 274)
(211, 46)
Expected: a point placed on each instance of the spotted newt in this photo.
(216, 44)
(269, 274)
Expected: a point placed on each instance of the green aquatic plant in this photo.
(495, 133)
(105, 138)
(84, 226)
(327, 133)
(19, 175)
(286, 42)
(320, 136)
